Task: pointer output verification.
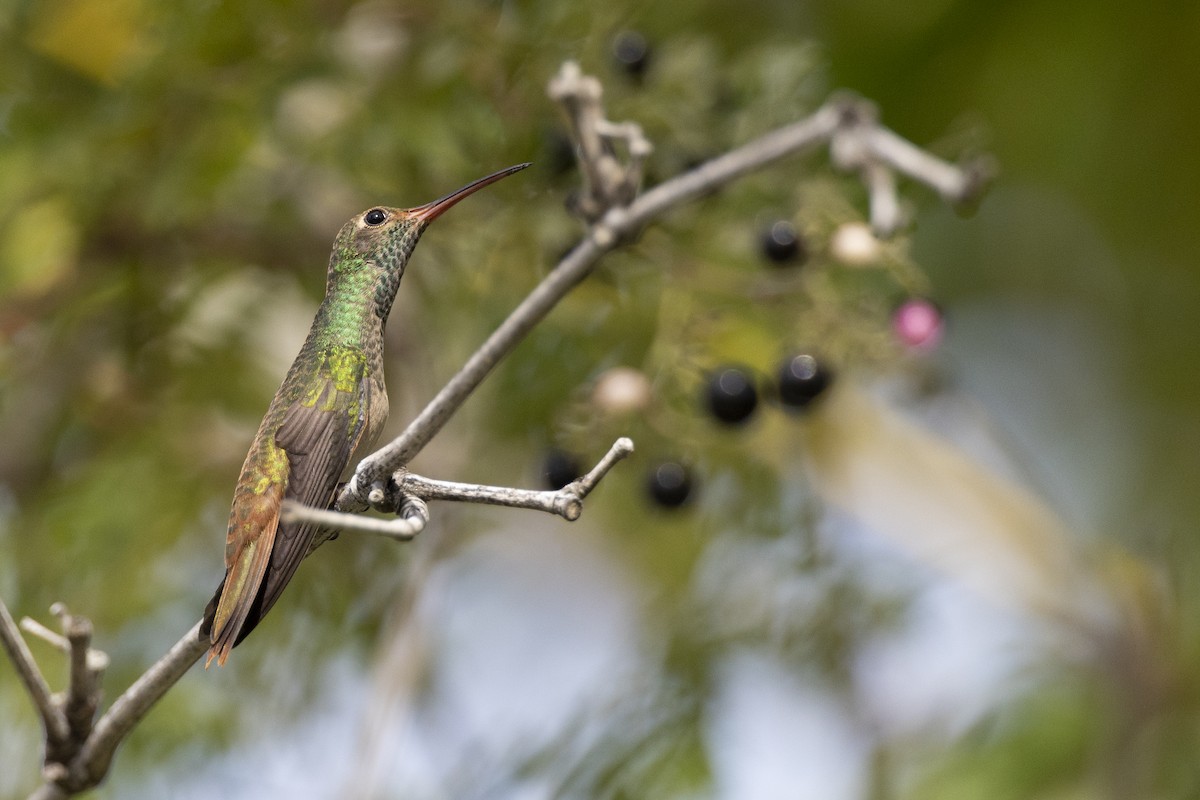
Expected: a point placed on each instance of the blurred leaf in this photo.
(100, 39)
(39, 247)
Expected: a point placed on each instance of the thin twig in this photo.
(566, 502)
(606, 181)
(403, 528)
(87, 759)
(53, 719)
(563, 503)
(83, 685)
(954, 183)
(886, 217)
(52, 638)
(97, 659)
(622, 448)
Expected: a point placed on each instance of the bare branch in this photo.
(955, 184)
(862, 144)
(128, 709)
(536, 305)
(414, 516)
(885, 213)
(53, 719)
(79, 756)
(52, 638)
(606, 182)
(566, 502)
(622, 448)
(87, 672)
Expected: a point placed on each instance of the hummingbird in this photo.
(331, 403)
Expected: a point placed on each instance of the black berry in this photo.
(731, 395)
(559, 468)
(375, 216)
(632, 53)
(669, 484)
(802, 378)
(781, 244)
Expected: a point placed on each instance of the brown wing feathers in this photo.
(318, 444)
(318, 441)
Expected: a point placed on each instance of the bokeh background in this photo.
(964, 573)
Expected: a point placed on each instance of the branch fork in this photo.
(411, 493)
(861, 144)
(68, 718)
(607, 182)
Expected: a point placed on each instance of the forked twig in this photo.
(415, 490)
(606, 181)
(53, 720)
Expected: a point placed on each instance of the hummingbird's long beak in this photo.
(431, 211)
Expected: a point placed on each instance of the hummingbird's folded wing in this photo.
(318, 439)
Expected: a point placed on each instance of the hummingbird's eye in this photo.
(375, 216)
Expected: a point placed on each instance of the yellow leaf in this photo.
(98, 38)
(39, 247)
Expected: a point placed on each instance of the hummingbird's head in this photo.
(379, 239)
(377, 243)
